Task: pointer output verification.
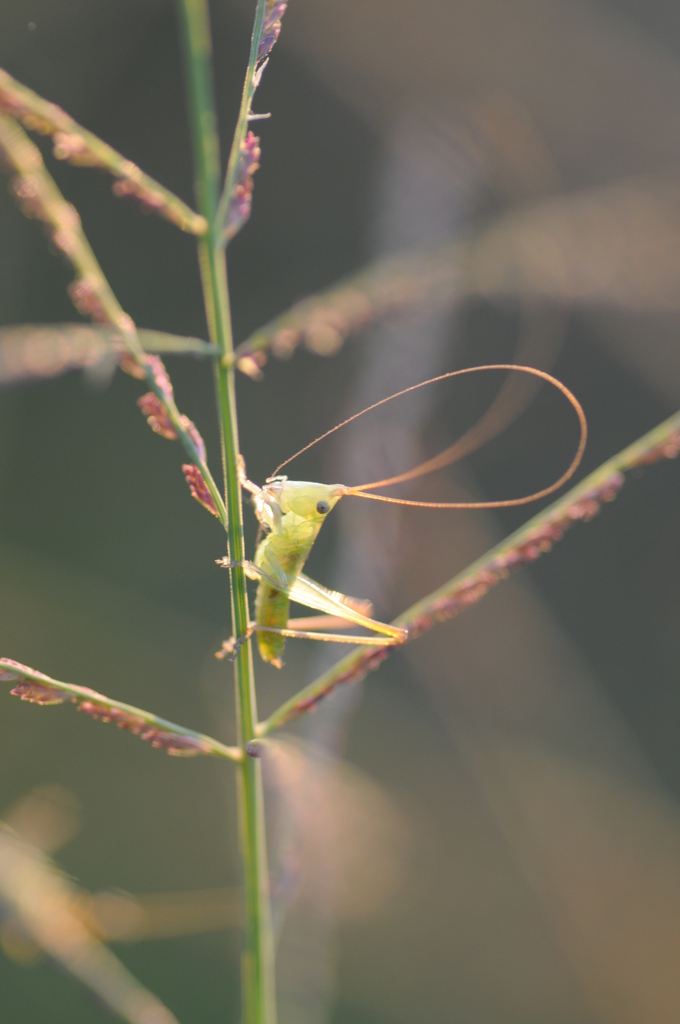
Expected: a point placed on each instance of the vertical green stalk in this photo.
(258, 996)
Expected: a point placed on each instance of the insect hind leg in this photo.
(381, 640)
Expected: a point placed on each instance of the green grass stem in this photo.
(258, 998)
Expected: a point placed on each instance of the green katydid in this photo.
(291, 513)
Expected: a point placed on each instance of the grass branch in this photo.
(41, 689)
(527, 544)
(253, 74)
(91, 293)
(386, 288)
(37, 351)
(76, 145)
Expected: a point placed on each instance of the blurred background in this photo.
(488, 830)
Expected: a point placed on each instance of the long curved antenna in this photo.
(464, 446)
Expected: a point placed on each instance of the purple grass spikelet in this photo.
(32, 690)
(160, 375)
(199, 488)
(252, 365)
(26, 190)
(176, 745)
(241, 201)
(157, 408)
(157, 416)
(271, 27)
(669, 448)
(39, 693)
(84, 296)
(195, 435)
(72, 147)
(128, 364)
(151, 201)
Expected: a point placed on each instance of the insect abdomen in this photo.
(271, 609)
(282, 554)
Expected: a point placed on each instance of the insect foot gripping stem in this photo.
(250, 569)
(232, 646)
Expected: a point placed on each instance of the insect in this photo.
(291, 513)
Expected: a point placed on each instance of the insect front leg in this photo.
(249, 567)
(233, 645)
(254, 572)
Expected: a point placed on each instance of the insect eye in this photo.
(323, 508)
